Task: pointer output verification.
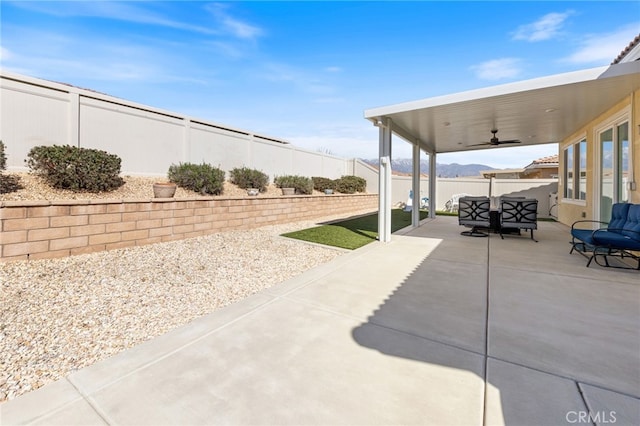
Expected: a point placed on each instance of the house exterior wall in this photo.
(545, 173)
(571, 210)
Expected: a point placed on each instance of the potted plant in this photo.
(287, 184)
(291, 185)
(164, 189)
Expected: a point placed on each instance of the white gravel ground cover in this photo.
(60, 315)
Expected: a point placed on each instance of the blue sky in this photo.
(306, 71)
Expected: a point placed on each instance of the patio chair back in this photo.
(631, 228)
(518, 213)
(619, 215)
(474, 211)
(521, 213)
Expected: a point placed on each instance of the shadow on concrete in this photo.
(447, 304)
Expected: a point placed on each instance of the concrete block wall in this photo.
(50, 229)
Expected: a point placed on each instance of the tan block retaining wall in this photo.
(48, 229)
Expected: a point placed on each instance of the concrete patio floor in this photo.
(432, 328)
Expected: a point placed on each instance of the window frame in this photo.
(574, 171)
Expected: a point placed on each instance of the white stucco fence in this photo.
(148, 140)
(539, 189)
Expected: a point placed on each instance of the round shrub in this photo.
(302, 185)
(249, 178)
(322, 183)
(351, 184)
(202, 178)
(76, 169)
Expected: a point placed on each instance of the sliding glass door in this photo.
(613, 168)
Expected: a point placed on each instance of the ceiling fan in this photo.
(494, 141)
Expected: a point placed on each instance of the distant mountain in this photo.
(405, 165)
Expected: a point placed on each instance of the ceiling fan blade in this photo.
(481, 144)
(510, 141)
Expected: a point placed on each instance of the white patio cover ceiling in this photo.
(539, 111)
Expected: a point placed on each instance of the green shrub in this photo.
(8, 183)
(3, 157)
(202, 178)
(249, 178)
(77, 169)
(322, 183)
(303, 185)
(351, 184)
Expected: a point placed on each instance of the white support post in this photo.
(432, 185)
(384, 181)
(415, 209)
(74, 119)
(186, 141)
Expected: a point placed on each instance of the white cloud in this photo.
(5, 54)
(230, 50)
(121, 11)
(234, 26)
(333, 69)
(545, 28)
(241, 29)
(300, 79)
(604, 47)
(82, 59)
(498, 69)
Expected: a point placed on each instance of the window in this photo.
(575, 171)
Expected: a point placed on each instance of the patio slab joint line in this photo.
(93, 404)
(486, 332)
(179, 348)
(81, 397)
(585, 402)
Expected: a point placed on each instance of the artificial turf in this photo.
(353, 233)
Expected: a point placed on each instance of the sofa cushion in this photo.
(631, 227)
(619, 216)
(584, 235)
(614, 240)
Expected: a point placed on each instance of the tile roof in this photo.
(546, 160)
(630, 46)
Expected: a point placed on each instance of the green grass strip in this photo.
(353, 233)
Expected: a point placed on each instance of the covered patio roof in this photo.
(539, 111)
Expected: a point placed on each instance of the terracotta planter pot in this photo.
(164, 190)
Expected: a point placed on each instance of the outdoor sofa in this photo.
(620, 238)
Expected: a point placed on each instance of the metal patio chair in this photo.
(473, 212)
